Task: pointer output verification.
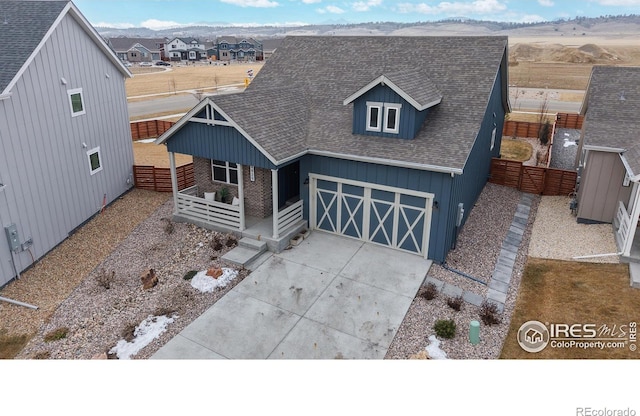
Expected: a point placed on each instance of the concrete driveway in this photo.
(329, 297)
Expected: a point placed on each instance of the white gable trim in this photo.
(190, 116)
(383, 80)
(86, 26)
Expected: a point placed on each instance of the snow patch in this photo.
(434, 349)
(147, 331)
(206, 284)
(568, 143)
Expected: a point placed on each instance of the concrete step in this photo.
(246, 252)
(634, 271)
(253, 244)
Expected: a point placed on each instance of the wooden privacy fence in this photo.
(159, 179)
(148, 129)
(528, 129)
(532, 179)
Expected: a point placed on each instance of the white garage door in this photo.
(392, 217)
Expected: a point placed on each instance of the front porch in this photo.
(625, 228)
(276, 230)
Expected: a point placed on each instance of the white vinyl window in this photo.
(225, 172)
(392, 118)
(76, 102)
(374, 116)
(383, 117)
(95, 161)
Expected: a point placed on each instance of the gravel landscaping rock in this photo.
(476, 254)
(72, 293)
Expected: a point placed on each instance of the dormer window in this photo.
(392, 118)
(383, 117)
(374, 116)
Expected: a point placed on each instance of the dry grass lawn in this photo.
(516, 150)
(150, 154)
(191, 77)
(555, 291)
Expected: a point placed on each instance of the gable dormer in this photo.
(393, 105)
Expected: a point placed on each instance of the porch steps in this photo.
(634, 271)
(245, 252)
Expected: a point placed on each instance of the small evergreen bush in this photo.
(445, 328)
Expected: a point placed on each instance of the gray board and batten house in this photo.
(390, 143)
(609, 155)
(65, 140)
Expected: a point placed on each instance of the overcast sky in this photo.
(161, 14)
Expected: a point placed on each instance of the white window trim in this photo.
(228, 169)
(379, 106)
(387, 107)
(73, 92)
(89, 153)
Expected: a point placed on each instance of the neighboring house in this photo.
(230, 48)
(392, 146)
(269, 46)
(137, 49)
(65, 140)
(609, 165)
(185, 49)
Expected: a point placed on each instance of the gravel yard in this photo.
(557, 235)
(476, 254)
(97, 318)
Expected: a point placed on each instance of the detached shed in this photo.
(609, 188)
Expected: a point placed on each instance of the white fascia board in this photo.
(230, 123)
(604, 149)
(5, 96)
(630, 173)
(95, 36)
(385, 81)
(388, 162)
(170, 132)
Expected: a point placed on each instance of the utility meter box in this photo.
(12, 237)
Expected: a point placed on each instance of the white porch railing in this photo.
(212, 212)
(289, 216)
(624, 222)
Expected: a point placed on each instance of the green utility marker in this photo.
(474, 332)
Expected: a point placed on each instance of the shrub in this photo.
(190, 275)
(455, 303)
(168, 225)
(216, 244)
(445, 328)
(56, 334)
(489, 313)
(105, 279)
(231, 241)
(429, 291)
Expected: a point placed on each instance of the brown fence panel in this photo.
(560, 182)
(521, 129)
(144, 177)
(569, 121)
(532, 180)
(505, 172)
(159, 179)
(149, 129)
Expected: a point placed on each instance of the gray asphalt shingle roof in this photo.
(319, 73)
(124, 44)
(609, 120)
(23, 24)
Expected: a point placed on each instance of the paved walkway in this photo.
(501, 277)
(329, 297)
